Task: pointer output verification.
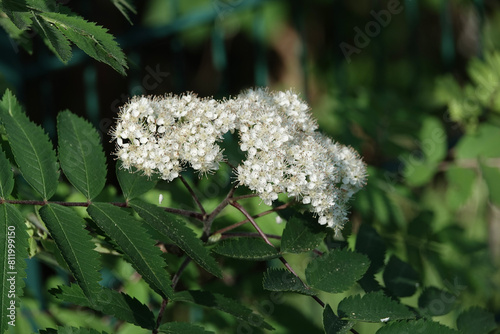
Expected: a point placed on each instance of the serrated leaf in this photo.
(16, 11)
(21, 37)
(75, 245)
(70, 330)
(6, 176)
(135, 243)
(110, 302)
(336, 271)
(301, 236)
(435, 302)
(333, 324)
(418, 326)
(31, 147)
(124, 6)
(133, 184)
(476, 321)
(81, 154)
(400, 278)
(14, 248)
(91, 38)
(373, 307)
(227, 305)
(246, 249)
(283, 280)
(53, 38)
(182, 327)
(173, 228)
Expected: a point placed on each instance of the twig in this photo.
(191, 191)
(208, 221)
(266, 239)
(232, 227)
(247, 234)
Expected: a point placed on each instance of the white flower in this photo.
(284, 152)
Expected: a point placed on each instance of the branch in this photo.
(185, 213)
(191, 191)
(266, 239)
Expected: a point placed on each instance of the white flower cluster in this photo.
(284, 152)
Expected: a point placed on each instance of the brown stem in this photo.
(191, 191)
(266, 239)
(232, 227)
(185, 213)
(247, 234)
(208, 221)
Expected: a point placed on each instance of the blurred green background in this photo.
(414, 86)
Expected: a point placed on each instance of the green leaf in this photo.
(14, 248)
(91, 38)
(133, 184)
(460, 185)
(173, 228)
(16, 11)
(246, 249)
(301, 236)
(476, 321)
(219, 302)
(336, 271)
(21, 37)
(109, 302)
(419, 172)
(283, 280)
(81, 154)
(400, 278)
(418, 326)
(53, 38)
(333, 324)
(6, 176)
(124, 6)
(373, 307)
(182, 327)
(70, 330)
(436, 302)
(433, 140)
(482, 143)
(135, 243)
(492, 177)
(75, 245)
(31, 147)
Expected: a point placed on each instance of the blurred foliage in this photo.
(419, 102)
